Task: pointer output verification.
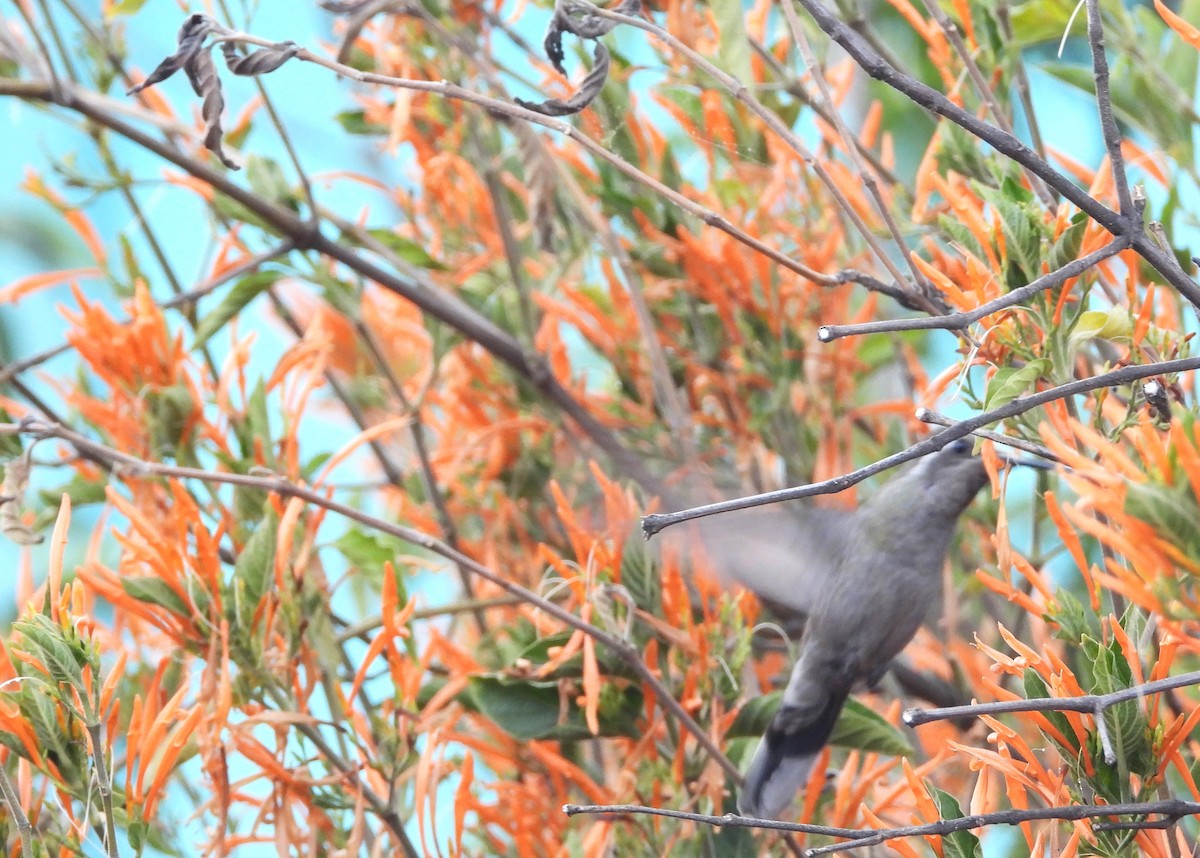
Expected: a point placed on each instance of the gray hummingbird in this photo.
(864, 580)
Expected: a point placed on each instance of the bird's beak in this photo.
(1014, 461)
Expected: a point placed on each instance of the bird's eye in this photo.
(961, 446)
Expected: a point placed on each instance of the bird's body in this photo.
(864, 580)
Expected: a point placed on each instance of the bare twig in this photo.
(927, 416)
(652, 524)
(1108, 123)
(1021, 79)
(925, 294)
(958, 321)
(12, 804)
(729, 820)
(1091, 703)
(858, 839)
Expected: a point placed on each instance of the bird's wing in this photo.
(781, 554)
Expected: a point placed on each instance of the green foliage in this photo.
(245, 290)
(858, 727)
(959, 844)
(528, 709)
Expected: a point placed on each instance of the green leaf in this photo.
(959, 844)
(1041, 20)
(1170, 510)
(355, 122)
(640, 576)
(962, 234)
(533, 710)
(228, 207)
(368, 551)
(1072, 619)
(1066, 247)
(125, 7)
(1036, 688)
(43, 639)
(169, 417)
(1101, 324)
(1011, 382)
(154, 591)
(266, 179)
(242, 293)
(407, 249)
(82, 491)
(754, 716)
(733, 47)
(857, 727)
(864, 729)
(10, 445)
(1128, 727)
(256, 564)
(1023, 228)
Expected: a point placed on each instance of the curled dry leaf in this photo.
(16, 482)
(191, 38)
(202, 72)
(196, 61)
(576, 18)
(260, 61)
(589, 88)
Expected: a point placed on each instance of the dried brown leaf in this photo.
(541, 179)
(576, 18)
(12, 500)
(202, 72)
(191, 38)
(257, 62)
(589, 88)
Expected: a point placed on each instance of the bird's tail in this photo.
(784, 758)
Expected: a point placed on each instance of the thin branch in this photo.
(127, 465)
(1108, 122)
(792, 86)
(958, 321)
(281, 130)
(1091, 703)
(12, 803)
(1170, 808)
(365, 627)
(860, 838)
(652, 524)
(925, 96)
(416, 434)
(1021, 78)
(927, 416)
(925, 293)
(453, 91)
(104, 786)
(342, 392)
(729, 820)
